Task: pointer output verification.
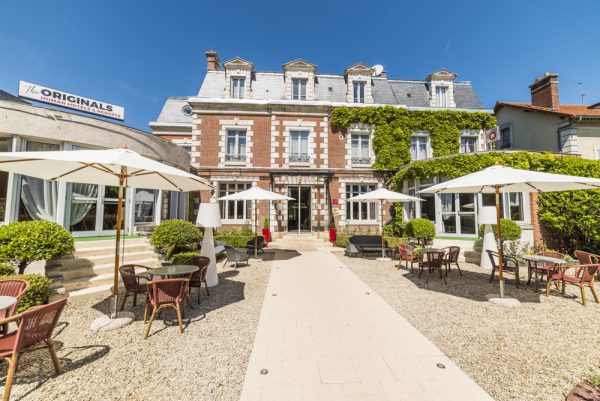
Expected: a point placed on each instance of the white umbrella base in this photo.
(106, 323)
(507, 302)
(380, 259)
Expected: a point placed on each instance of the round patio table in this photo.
(532, 261)
(7, 301)
(427, 250)
(173, 270)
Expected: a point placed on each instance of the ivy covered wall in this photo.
(394, 128)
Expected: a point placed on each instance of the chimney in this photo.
(212, 61)
(544, 91)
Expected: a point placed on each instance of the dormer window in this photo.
(237, 87)
(358, 90)
(441, 96)
(299, 88)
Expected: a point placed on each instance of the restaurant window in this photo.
(360, 211)
(39, 198)
(234, 209)
(299, 88)
(5, 146)
(145, 203)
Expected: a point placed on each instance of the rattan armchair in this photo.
(12, 288)
(133, 283)
(164, 294)
(199, 277)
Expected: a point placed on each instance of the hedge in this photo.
(184, 257)
(237, 238)
(175, 236)
(38, 291)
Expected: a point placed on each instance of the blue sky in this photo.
(136, 53)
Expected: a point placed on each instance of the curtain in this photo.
(295, 148)
(81, 202)
(40, 198)
(304, 144)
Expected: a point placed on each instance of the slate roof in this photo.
(172, 113)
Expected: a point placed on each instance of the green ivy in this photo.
(394, 128)
(573, 217)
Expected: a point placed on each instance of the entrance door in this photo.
(93, 210)
(299, 209)
(458, 214)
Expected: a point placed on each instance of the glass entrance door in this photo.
(110, 202)
(299, 209)
(458, 214)
(93, 210)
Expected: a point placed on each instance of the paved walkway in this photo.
(325, 335)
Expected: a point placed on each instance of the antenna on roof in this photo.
(377, 70)
(581, 91)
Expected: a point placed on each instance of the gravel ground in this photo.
(537, 351)
(207, 362)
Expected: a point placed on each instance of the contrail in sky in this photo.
(448, 44)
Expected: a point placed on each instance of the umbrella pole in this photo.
(255, 231)
(382, 240)
(500, 250)
(117, 240)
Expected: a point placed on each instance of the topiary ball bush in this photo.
(23, 242)
(509, 230)
(420, 228)
(175, 236)
(184, 258)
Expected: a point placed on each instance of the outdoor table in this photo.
(534, 259)
(427, 250)
(7, 301)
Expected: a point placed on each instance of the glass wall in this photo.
(5, 146)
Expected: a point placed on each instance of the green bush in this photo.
(6, 270)
(341, 240)
(509, 230)
(236, 238)
(23, 242)
(184, 257)
(175, 236)
(38, 291)
(266, 223)
(420, 229)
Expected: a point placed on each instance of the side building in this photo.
(273, 129)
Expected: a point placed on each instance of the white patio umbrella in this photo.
(381, 195)
(256, 194)
(114, 167)
(499, 179)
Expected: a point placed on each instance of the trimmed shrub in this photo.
(420, 229)
(235, 238)
(38, 291)
(23, 242)
(184, 257)
(175, 236)
(6, 270)
(509, 230)
(341, 240)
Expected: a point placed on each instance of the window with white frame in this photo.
(419, 147)
(424, 209)
(236, 146)
(359, 143)
(299, 147)
(358, 91)
(511, 204)
(441, 96)
(234, 209)
(299, 88)
(505, 138)
(237, 87)
(468, 142)
(360, 211)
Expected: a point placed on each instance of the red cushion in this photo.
(7, 344)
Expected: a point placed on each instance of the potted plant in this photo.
(265, 231)
(332, 231)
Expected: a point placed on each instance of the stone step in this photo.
(110, 250)
(104, 290)
(109, 243)
(91, 281)
(129, 257)
(95, 270)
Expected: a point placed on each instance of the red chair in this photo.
(199, 277)
(587, 258)
(546, 268)
(133, 283)
(164, 294)
(406, 253)
(12, 288)
(433, 261)
(35, 325)
(584, 275)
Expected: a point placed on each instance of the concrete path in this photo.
(325, 335)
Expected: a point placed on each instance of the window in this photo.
(234, 210)
(299, 147)
(505, 138)
(358, 90)
(468, 144)
(299, 89)
(360, 211)
(5, 146)
(425, 209)
(237, 87)
(187, 110)
(236, 146)
(360, 148)
(418, 147)
(441, 96)
(39, 198)
(511, 204)
(145, 202)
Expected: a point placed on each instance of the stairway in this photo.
(470, 251)
(90, 270)
(299, 242)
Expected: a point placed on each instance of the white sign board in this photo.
(40, 93)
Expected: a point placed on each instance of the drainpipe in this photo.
(566, 127)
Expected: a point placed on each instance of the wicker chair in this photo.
(133, 283)
(12, 288)
(587, 258)
(236, 255)
(199, 277)
(405, 253)
(451, 257)
(35, 325)
(511, 264)
(433, 261)
(164, 294)
(584, 275)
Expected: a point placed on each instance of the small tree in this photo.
(175, 236)
(23, 242)
(422, 229)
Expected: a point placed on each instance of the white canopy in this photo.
(383, 194)
(101, 167)
(256, 193)
(513, 180)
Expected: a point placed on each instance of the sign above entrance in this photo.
(299, 180)
(44, 94)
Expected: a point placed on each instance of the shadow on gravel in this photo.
(285, 254)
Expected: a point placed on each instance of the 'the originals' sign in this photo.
(40, 93)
